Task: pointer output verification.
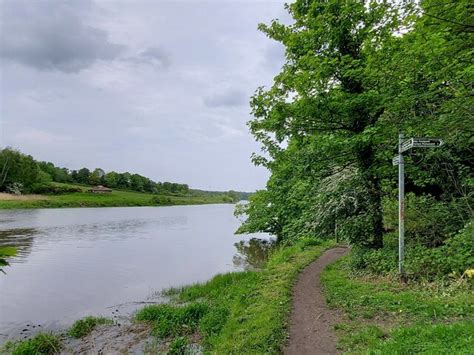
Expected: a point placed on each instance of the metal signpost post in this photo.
(399, 160)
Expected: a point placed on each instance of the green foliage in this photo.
(356, 74)
(17, 171)
(113, 199)
(84, 326)
(178, 346)
(412, 339)
(259, 213)
(382, 298)
(427, 339)
(381, 261)
(247, 310)
(54, 189)
(451, 259)
(6, 252)
(428, 221)
(387, 317)
(173, 321)
(21, 174)
(161, 200)
(40, 344)
(213, 322)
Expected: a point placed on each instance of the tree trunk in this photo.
(373, 190)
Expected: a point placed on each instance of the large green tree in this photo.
(356, 74)
(17, 169)
(321, 103)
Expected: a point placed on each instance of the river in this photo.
(74, 262)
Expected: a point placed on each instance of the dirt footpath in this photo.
(311, 322)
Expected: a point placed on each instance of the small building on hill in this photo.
(99, 189)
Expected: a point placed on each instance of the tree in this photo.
(83, 176)
(19, 169)
(321, 104)
(124, 180)
(137, 182)
(357, 73)
(111, 179)
(96, 177)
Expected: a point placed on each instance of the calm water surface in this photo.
(106, 261)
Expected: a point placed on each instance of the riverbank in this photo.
(116, 198)
(248, 312)
(238, 312)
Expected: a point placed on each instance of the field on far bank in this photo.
(9, 197)
(116, 198)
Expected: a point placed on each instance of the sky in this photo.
(159, 88)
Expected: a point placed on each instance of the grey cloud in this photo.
(155, 55)
(185, 122)
(227, 98)
(151, 56)
(53, 36)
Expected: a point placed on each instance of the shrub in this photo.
(428, 222)
(15, 188)
(50, 189)
(378, 261)
(161, 200)
(455, 256)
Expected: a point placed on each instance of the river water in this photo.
(74, 262)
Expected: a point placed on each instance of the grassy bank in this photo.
(384, 316)
(239, 312)
(242, 312)
(116, 198)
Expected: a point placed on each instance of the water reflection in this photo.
(252, 254)
(20, 238)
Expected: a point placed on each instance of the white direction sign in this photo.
(396, 160)
(427, 142)
(406, 145)
(421, 143)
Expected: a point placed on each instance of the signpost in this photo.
(403, 146)
(396, 160)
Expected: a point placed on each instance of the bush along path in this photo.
(312, 322)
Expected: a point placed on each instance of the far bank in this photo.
(116, 198)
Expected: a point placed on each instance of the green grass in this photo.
(84, 326)
(117, 198)
(387, 317)
(173, 321)
(42, 343)
(457, 338)
(242, 312)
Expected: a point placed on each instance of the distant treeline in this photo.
(20, 173)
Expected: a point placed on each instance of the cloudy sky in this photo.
(160, 88)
